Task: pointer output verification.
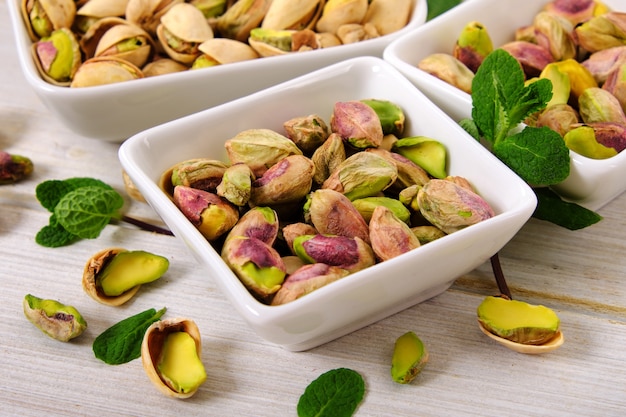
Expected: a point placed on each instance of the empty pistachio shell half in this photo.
(409, 358)
(57, 320)
(171, 353)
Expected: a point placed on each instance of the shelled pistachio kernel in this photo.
(409, 358)
(59, 321)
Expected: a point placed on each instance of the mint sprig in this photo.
(437, 7)
(121, 343)
(335, 393)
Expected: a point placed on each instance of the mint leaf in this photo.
(470, 127)
(552, 208)
(50, 192)
(85, 211)
(437, 7)
(538, 155)
(335, 393)
(121, 343)
(54, 235)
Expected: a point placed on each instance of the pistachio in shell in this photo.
(367, 205)
(305, 280)
(390, 236)
(292, 230)
(388, 16)
(356, 32)
(42, 17)
(426, 234)
(105, 70)
(171, 353)
(409, 173)
(147, 13)
(243, 16)
(201, 173)
(57, 57)
(340, 12)
(556, 34)
(128, 42)
(160, 66)
(409, 358)
(292, 14)
(559, 117)
(448, 69)
(93, 10)
(220, 51)
(59, 321)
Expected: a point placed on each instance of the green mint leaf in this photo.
(85, 211)
(50, 192)
(537, 155)
(550, 207)
(335, 393)
(470, 127)
(437, 7)
(121, 343)
(54, 235)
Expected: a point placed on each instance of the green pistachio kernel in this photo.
(179, 364)
(129, 269)
(57, 320)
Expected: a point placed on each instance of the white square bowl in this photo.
(368, 295)
(115, 112)
(591, 183)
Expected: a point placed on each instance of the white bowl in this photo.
(116, 112)
(376, 292)
(591, 183)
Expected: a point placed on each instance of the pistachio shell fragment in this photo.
(518, 321)
(390, 236)
(59, 321)
(409, 358)
(171, 353)
(305, 280)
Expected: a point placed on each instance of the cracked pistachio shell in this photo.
(473, 45)
(390, 236)
(616, 84)
(579, 77)
(599, 105)
(258, 266)
(243, 16)
(426, 234)
(391, 116)
(363, 174)
(409, 358)
(14, 168)
(92, 35)
(220, 51)
(388, 16)
(201, 173)
(602, 63)
(212, 215)
(356, 32)
(59, 321)
(366, 206)
(93, 10)
(271, 42)
(182, 29)
(531, 57)
(425, 152)
(236, 184)
(57, 57)
(341, 12)
(94, 266)
(449, 69)
(560, 117)
(409, 173)
(451, 207)
(305, 280)
(518, 321)
(287, 181)
(357, 123)
(332, 213)
(105, 70)
(258, 222)
(147, 13)
(128, 42)
(601, 32)
(307, 132)
(555, 33)
(291, 231)
(292, 14)
(328, 157)
(575, 11)
(351, 254)
(171, 352)
(42, 17)
(259, 149)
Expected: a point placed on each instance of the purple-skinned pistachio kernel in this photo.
(307, 279)
(357, 123)
(352, 254)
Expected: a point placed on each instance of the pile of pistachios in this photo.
(80, 43)
(295, 210)
(580, 46)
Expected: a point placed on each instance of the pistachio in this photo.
(601, 32)
(427, 234)
(408, 197)
(59, 321)
(599, 105)
(579, 77)
(332, 213)
(128, 42)
(518, 321)
(388, 16)
(531, 57)
(147, 13)
(57, 57)
(259, 149)
(220, 51)
(258, 266)
(555, 33)
(162, 66)
(616, 84)
(271, 42)
(291, 231)
(560, 117)
(236, 184)
(182, 29)
(212, 215)
(90, 39)
(357, 123)
(602, 63)
(409, 358)
(287, 181)
(449, 69)
(473, 45)
(328, 157)
(582, 140)
(575, 11)
(244, 15)
(356, 32)
(610, 134)
(305, 280)
(451, 207)
(425, 152)
(201, 173)
(351, 254)
(390, 236)
(307, 132)
(390, 115)
(14, 168)
(43, 17)
(211, 8)
(409, 173)
(131, 189)
(363, 174)
(171, 357)
(561, 85)
(367, 205)
(105, 70)
(292, 14)
(260, 223)
(341, 12)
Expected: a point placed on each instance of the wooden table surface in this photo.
(579, 274)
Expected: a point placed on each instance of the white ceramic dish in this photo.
(592, 183)
(116, 112)
(376, 292)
